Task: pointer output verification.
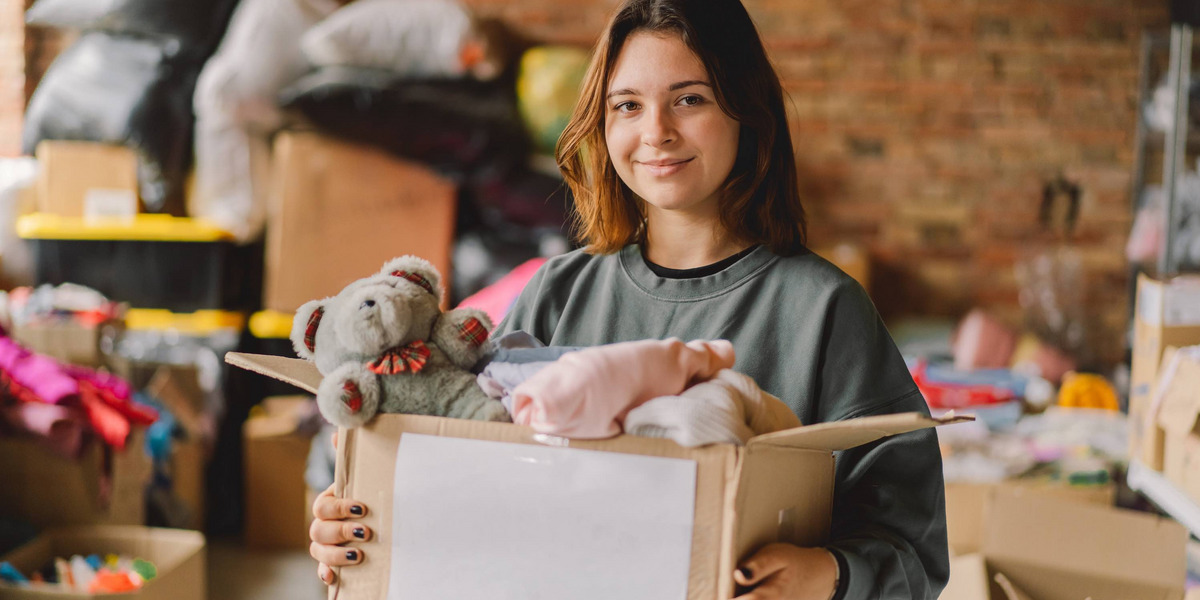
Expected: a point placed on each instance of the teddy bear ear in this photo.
(304, 328)
(416, 270)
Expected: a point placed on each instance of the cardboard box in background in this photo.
(69, 171)
(67, 340)
(851, 258)
(1178, 417)
(965, 505)
(1166, 314)
(275, 455)
(47, 490)
(1051, 549)
(178, 555)
(338, 211)
(779, 487)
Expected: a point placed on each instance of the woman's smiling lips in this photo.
(664, 167)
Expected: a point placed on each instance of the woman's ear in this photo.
(304, 328)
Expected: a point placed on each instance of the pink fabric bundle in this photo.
(586, 394)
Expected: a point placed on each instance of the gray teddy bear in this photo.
(383, 344)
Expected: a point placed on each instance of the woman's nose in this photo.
(659, 128)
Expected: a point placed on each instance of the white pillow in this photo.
(417, 38)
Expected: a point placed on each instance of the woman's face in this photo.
(667, 138)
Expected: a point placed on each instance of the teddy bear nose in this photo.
(367, 304)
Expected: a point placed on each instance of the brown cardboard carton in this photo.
(965, 505)
(779, 487)
(1166, 314)
(177, 554)
(1178, 416)
(338, 211)
(71, 171)
(274, 456)
(48, 490)
(68, 341)
(1044, 548)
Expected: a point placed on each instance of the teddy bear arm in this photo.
(463, 334)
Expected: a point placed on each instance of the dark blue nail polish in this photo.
(360, 533)
(352, 555)
(356, 510)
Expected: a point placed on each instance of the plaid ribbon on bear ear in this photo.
(409, 357)
(310, 330)
(351, 397)
(472, 332)
(416, 278)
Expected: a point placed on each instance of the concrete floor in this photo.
(238, 573)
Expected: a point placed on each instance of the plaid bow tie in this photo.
(409, 357)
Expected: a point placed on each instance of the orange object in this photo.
(108, 582)
(1085, 390)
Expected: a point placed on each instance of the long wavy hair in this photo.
(760, 200)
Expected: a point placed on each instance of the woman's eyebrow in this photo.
(674, 86)
(689, 83)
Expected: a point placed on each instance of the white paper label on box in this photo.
(1176, 304)
(104, 203)
(489, 520)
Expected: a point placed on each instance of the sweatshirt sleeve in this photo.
(523, 315)
(889, 517)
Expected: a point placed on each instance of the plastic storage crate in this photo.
(150, 261)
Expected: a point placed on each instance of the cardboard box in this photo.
(1178, 416)
(49, 490)
(275, 456)
(1045, 548)
(338, 211)
(1166, 314)
(965, 502)
(779, 487)
(67, 340)
(73, 175)
(178, 555)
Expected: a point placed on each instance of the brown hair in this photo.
(760, 201)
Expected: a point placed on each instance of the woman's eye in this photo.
(691, 100)
(625, 107)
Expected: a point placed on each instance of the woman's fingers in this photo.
(326, 574)
(327, 508)
(335, 556)
(338, 532)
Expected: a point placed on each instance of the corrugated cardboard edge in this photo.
(841, 435)
(296, 371)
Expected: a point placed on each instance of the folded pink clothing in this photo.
(586, 394)
(39, 374)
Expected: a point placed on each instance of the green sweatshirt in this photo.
(807, 333)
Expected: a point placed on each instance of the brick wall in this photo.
(925, 129)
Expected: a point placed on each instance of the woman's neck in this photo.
(682, 242)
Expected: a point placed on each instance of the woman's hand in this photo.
(787, 572)
(332, 526)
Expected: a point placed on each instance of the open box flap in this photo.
(840, 435)
(296, 371)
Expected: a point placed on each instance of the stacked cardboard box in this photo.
(1167, 313)
(1178, 417)
(77, 179)
(338, 211)
(274, 459)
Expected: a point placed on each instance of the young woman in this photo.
(681, 163)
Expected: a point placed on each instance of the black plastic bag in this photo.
(122, 90)
(195, 25)
(461, 127)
